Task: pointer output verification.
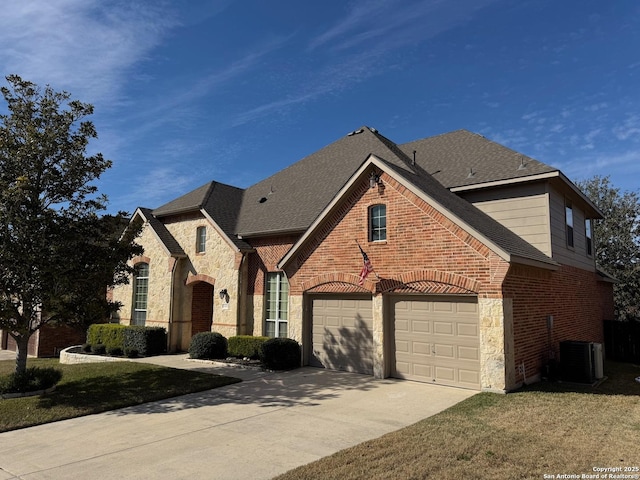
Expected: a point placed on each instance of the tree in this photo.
(618, 242)
(57, 254)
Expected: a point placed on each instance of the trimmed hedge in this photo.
(280, 354)
(146, 341)
(130, 340)
(111, 335)
(208, 345)
(246, 346)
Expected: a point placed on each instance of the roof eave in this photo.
(271, 233)
(155, 234)
(596, 213)
(551, 265)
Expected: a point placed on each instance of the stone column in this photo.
(379, 369)
(496, 344)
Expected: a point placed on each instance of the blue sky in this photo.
(186, 91)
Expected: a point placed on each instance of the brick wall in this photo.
(48, 341)
(419, 239)
(576, 299)
(269, 251)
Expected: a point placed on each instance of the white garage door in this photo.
(437, 340)
(342, 333)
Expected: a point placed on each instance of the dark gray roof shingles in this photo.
(164, 235)
(291, 200)
(452, 157)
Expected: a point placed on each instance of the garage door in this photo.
(437, 340)
(342, 334)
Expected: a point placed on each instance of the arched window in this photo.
(377, 223)
(140, 294)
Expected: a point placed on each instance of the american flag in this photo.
(366, 267)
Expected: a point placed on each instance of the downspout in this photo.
(242, 293)
(174, 268)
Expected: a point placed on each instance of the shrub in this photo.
(208, 345)
(131, 353)
(86, 347)
(111, 335)
(33, 379)
(99, 349)
(246, 346)
(280, 354)
(114, 351)
(146, 341)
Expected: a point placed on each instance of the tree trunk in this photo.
(22, 346)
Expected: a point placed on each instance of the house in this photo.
(483, 261)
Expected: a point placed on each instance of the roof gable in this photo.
(167, 240)
(217, 201)
(292, 199)
(494, 235)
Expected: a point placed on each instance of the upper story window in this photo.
(276, 324)
(589, 235)
(377, 223)
(201, 239)
(140, 294)
(568, 214)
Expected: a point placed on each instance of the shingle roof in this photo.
(463, 158)
(163, 234)
(222, 203)
(290, 200)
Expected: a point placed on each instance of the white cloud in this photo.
(83, 46)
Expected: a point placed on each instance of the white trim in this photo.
(500, 183)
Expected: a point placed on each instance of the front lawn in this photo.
(97, 387)
(552, 429)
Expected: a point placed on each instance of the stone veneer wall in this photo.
(218, 263)
(159, 283)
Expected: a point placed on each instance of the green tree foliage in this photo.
(618, 241)
(58, 256)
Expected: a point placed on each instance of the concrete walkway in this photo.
(256, 429)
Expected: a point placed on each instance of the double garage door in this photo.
(432, 339)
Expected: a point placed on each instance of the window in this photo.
(568, 213)
(377, 223)
(277, 305)
(589, 236)
(201, 239)
(140, 294)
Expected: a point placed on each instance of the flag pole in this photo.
(364, 256)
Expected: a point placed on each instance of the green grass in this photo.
(543, 429)
(97, 387)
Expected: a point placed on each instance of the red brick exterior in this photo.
(268, 252)
(423, 249)
(578, 301)
(48, 341)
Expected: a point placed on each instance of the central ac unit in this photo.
(581, 362)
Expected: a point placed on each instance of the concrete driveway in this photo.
(256, 429)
